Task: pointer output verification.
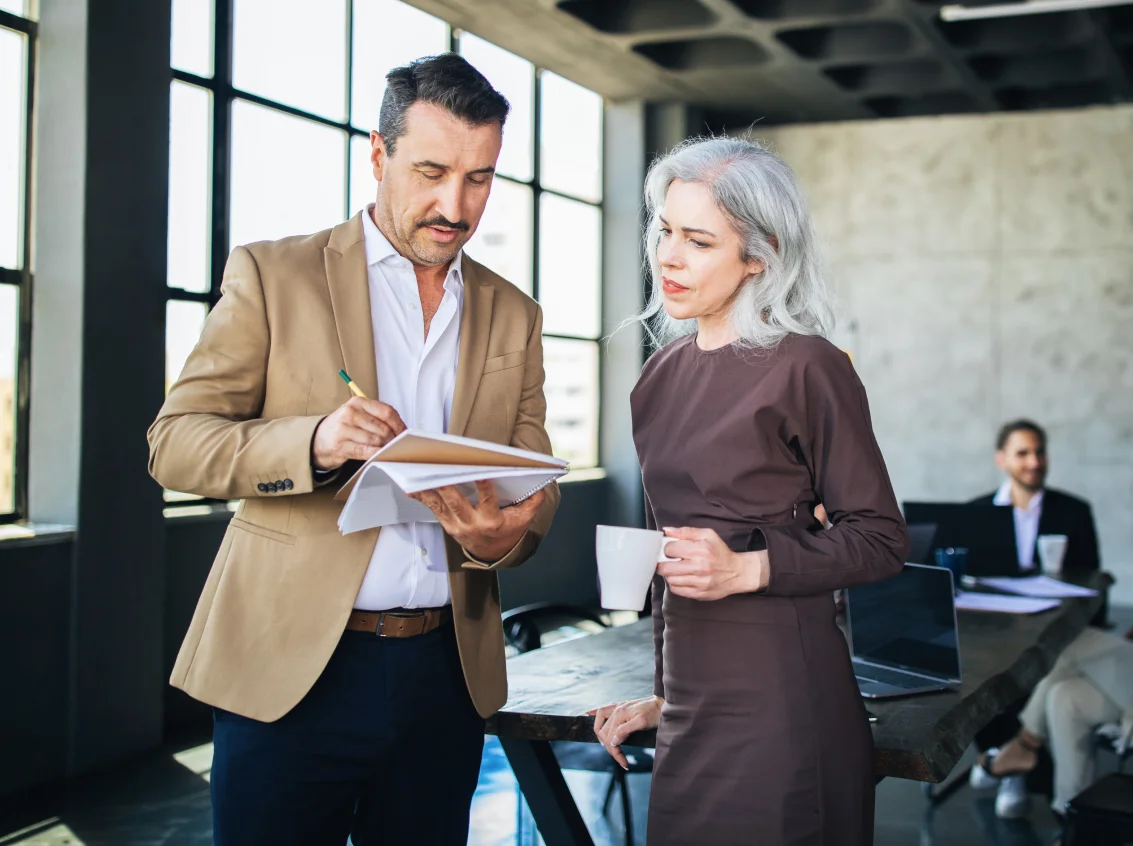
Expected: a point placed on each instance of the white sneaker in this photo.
(981, 779)
(1012, 801)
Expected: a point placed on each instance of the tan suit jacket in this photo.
(243, 414)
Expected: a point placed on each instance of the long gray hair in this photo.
(761, 198)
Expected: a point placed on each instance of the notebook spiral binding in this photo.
(530, 493)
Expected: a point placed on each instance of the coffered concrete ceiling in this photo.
(784, 61)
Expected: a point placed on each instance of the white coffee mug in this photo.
(627, 560)
(1052, 550)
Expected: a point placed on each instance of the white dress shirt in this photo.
(1026, 523)
(416, 376)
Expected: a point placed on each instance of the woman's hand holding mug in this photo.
(707, 568)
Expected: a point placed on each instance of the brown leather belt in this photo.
(401, 623)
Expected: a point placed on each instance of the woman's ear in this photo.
(754, 267)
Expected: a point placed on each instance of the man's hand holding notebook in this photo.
(378, 494)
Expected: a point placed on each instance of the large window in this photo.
(17, 61)
(271, 110)
(542, 231)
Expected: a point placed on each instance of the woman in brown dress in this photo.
(743, 423)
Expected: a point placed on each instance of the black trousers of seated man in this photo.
(385, 748)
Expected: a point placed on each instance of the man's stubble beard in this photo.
(416, 244)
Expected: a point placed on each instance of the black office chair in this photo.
(524, 628)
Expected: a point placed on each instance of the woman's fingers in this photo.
(609, 726)
(686, 533)
(618, 755)
(684, 567)
(600, 716)
(634, 723)
(681, 548)
(613, 734)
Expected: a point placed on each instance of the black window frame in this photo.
(22, 278)
(224, 94)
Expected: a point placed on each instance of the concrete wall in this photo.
(985, 271)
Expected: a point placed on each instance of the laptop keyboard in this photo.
(893, 677)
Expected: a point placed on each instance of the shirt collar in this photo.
(380, 250)
(1003, 497)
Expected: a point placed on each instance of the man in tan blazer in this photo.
(350, 675)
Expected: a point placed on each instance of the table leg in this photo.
(541, 780)
(939, 794)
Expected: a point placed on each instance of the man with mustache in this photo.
(350, 675)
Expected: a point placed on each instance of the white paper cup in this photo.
(1052, 550)
(627, 560)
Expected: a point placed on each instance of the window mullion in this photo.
(221, 140)
(536, 144)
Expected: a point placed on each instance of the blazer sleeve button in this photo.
(262, 488)
(288, 484)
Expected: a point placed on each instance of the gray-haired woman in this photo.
(743, 422)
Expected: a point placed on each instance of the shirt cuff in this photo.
(488, 565)
(321, 477)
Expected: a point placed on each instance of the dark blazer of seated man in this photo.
(1039, 510)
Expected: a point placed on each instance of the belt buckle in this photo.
(381, 624)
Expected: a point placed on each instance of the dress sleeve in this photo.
(832, 432)
(657, 602)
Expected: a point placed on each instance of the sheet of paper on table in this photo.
(1041, 586)
(967, 601)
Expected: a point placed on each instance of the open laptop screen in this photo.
(986, 531)
(908, 622)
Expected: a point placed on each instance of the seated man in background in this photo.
(1021, 454)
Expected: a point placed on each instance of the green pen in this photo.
(354, 389)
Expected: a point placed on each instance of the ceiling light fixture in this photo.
(1031, 7)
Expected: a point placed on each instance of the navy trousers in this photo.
(385, 748)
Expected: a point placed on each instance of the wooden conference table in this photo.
(919, 737)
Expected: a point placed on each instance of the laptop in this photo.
(921, 537)
(986, 531)
(903, 634)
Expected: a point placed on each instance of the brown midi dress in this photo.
(763, 737)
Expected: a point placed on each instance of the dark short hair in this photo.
(448, 81)
(1014, 426)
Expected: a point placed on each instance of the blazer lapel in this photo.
(475, 328)
(349, 283)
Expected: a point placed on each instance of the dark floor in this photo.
(163, 800)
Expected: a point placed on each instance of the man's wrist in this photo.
(318, 469)
(496, 552)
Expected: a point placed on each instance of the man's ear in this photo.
(378, 155)
(1000, 460)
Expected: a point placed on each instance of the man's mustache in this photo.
(460, 226)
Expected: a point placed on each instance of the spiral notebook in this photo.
(377, 495)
